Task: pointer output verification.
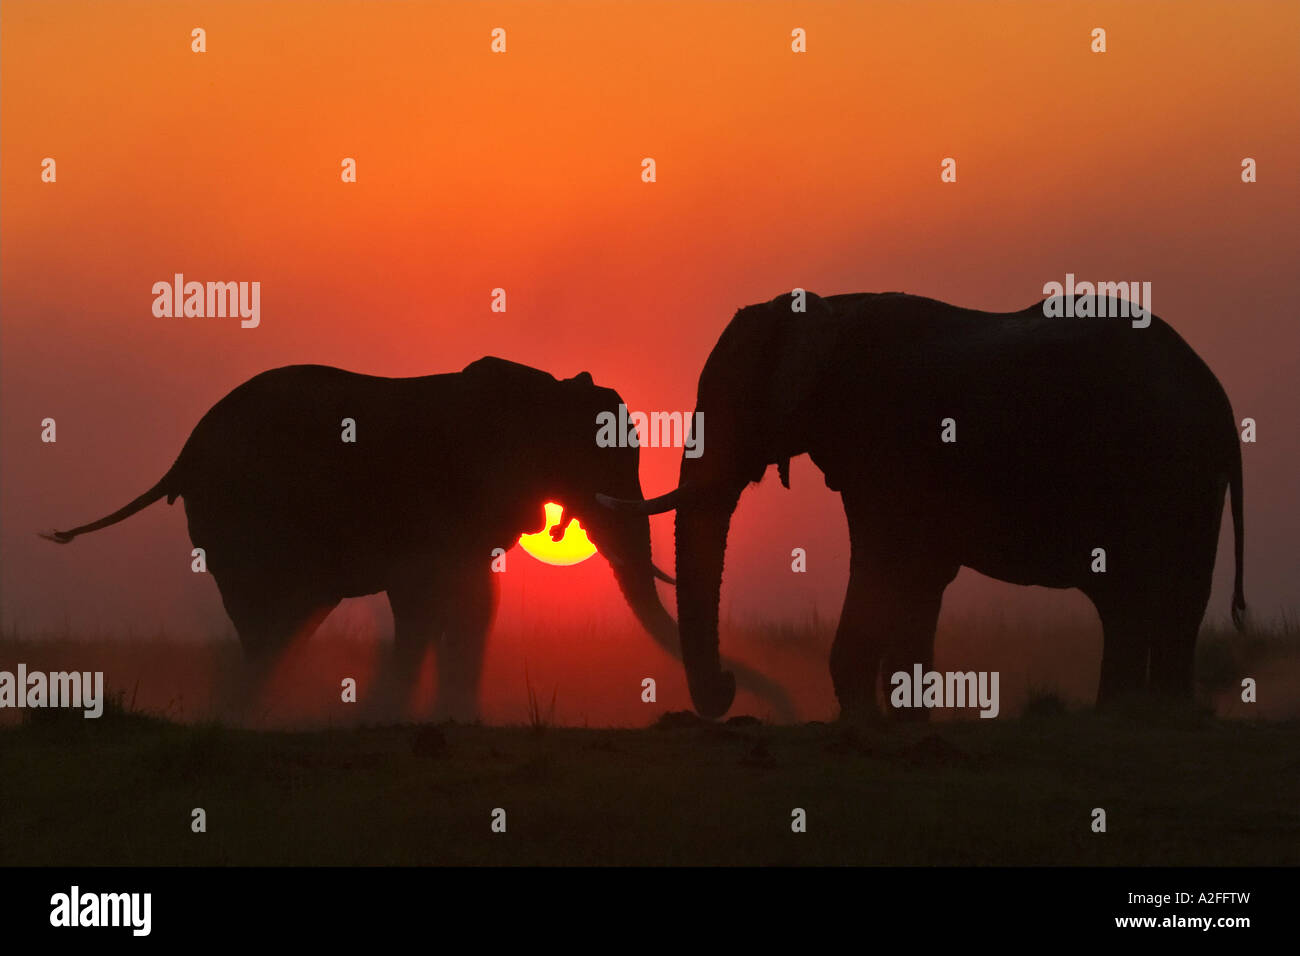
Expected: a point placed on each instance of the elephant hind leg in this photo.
(269, 620)
(1150, 649)
(268, 623)
(1173, 661)
(1173, 645)
(1152, 615)
(1150, 621)
(1188, 579)
(1126, 636)
(1151, 654)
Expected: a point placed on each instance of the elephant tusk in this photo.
(617, 562)
(649, 506)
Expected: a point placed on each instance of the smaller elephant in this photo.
(442, 470)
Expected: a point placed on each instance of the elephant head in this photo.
(547, 430)
(588, 478)
(756, 394)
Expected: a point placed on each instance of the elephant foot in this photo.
(386, 699)
(239, 692)
(1154, 708)
(383, 707)
(861, 712)
(713, 697)
(909, 715)
(460, 711)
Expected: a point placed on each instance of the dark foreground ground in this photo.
(1177, 789)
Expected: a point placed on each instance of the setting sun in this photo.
(574, 548)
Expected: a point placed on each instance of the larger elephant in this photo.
(1034, 450)
(443, 469)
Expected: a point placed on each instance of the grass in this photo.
(537, 719)
(602, 666)
(1223, 653)
(1216, 785)
(120, 790)
(1043, 703)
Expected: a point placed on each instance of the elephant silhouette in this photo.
(1067, 439)
(443, 469)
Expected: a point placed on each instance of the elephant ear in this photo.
(804, 343)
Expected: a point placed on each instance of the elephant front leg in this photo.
(857, 651)
(888, 624)
(463, 645)
(418, 602)
(914, 615)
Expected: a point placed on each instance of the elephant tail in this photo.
(1238, 536)
(164, 487)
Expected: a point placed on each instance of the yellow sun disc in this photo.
(574, 548)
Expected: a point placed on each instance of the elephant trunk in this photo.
(701, 545)
(638, 587)
(635, 574)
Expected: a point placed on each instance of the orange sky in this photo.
(522, 171)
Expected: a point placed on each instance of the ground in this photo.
(303, 779)
(1177, 789)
